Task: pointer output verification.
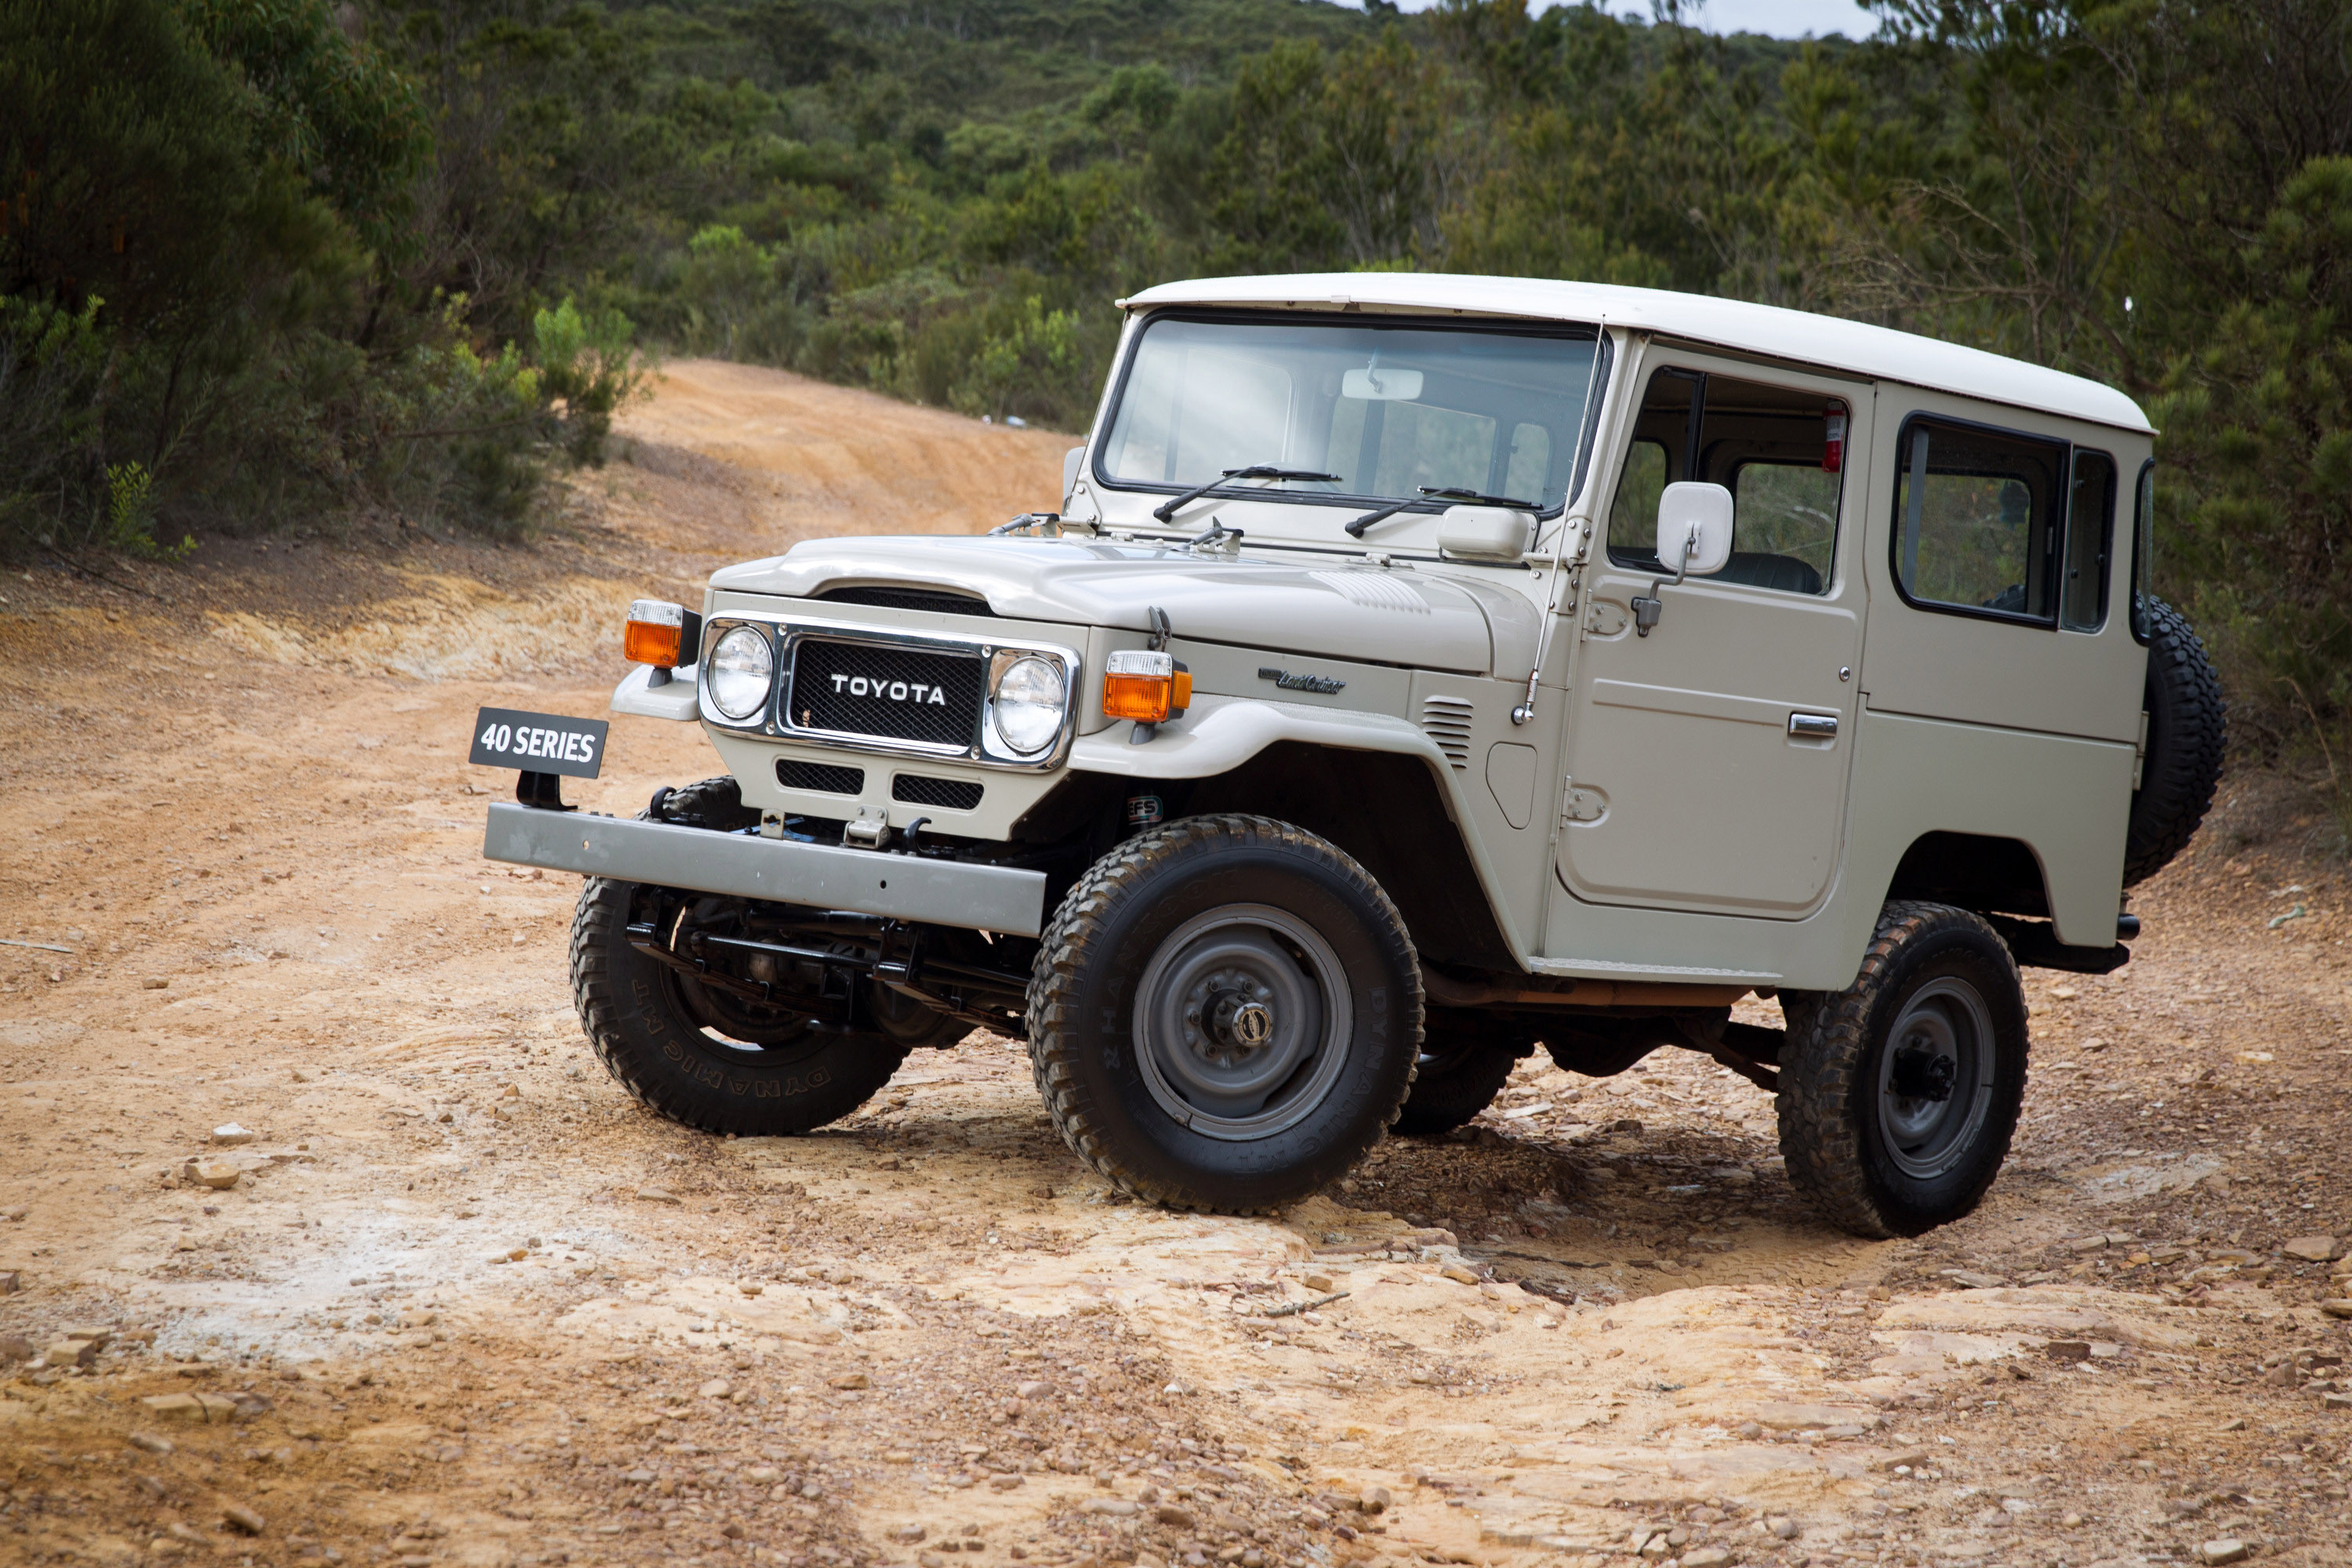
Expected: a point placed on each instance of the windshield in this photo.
(1389, 410)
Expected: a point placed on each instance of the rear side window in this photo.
(1978, 516)
(2090, 536)
(2143, 551)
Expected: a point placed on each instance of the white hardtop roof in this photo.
(1830, 341)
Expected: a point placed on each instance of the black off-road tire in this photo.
(2188, 734)
(1839, 1123)
(641, 1022)
(1463, 1068)
(1125, 924)
(718, 804)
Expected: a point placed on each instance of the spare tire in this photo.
(2186, 727)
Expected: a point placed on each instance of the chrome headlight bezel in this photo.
(984, 746)
(715, 665)
(1000, 711)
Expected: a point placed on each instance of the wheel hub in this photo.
(1921, 1072)
(1241, 1017)
(1228, 1015)
(1936, 1077)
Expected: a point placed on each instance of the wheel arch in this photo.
(1373, 785)
(1987, 873)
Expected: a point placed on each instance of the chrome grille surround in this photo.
(980, 746)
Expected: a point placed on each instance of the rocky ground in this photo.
(443, 1295)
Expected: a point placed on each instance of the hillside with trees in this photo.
(268, 261)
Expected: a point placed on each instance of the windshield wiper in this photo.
(1445, 492)
(1166, 511)
(1356, 526)
(1456, 492)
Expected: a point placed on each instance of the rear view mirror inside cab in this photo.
(1694, 528)
(1379, 384)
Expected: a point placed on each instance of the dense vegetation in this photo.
(264, 259)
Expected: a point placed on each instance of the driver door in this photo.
(1708, 760)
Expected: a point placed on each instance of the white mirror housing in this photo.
(1485, 533)
(1694, 528)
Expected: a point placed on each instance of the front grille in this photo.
(901, 694)
(937, 600)
(823, 777)
(955, 795)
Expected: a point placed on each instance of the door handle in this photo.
(1813, 726)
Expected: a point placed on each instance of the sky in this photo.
(1787, 18)
(1778, 18)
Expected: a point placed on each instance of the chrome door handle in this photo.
(1813, 726)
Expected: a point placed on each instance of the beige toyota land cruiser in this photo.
(1420, 670)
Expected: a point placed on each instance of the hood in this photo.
(1342, 610)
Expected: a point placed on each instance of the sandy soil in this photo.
(460, 1301)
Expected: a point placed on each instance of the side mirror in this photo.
(1693, 530)
(1497, 533)
(1071, 460)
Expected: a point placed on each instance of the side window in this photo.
(1659, 456)
(2090, 536)
(1787, 513)
(1977, 520)
(1634, 515)
(2143, 551)
(1778, 450)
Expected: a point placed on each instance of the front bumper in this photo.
(817, 875)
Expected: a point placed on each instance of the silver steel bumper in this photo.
(822, 876)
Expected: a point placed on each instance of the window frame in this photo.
(2057, 548)
(1579, 470)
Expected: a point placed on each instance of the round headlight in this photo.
(1029, 700)
(738, 671)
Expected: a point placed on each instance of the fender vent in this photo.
(1447, 722)
(955, 795)
(822, 777)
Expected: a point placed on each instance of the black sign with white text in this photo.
(539, 742)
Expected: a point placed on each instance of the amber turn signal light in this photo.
(1146, 687)
(661, 634)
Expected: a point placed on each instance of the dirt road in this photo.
(457, 1300)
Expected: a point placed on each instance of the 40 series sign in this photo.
(539, 742)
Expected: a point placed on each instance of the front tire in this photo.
(1899, 1094)
(703, 1057)
(1225, 1014)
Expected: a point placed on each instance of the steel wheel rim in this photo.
(1241, 1022)
(1942, 1041)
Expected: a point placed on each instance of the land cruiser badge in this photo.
(1322, 684)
